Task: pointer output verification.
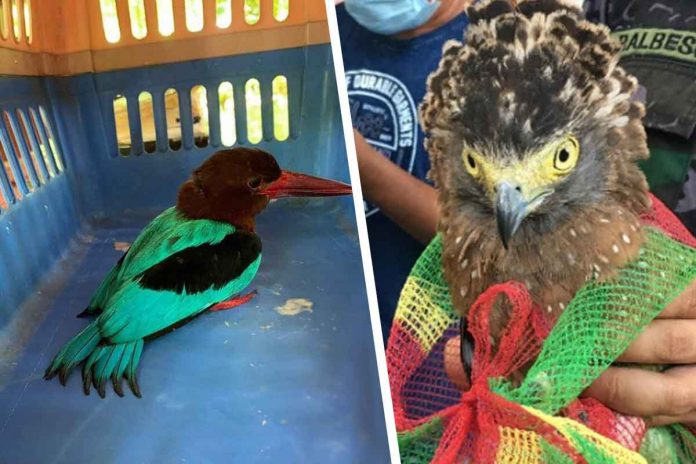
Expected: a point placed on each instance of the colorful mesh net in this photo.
(541, 420)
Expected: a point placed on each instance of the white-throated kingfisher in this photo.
(190, 258)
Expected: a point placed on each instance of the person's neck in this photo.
(448, 10)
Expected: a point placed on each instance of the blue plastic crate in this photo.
(245, 385)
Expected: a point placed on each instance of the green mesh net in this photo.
(542, 419)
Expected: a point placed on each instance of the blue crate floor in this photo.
(244, 385)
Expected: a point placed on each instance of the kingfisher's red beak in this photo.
(293, 184)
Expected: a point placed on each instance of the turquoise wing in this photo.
(167, 234)
(174, 270)
(136, 311)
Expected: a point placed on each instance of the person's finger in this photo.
(664, 341)
(453, 364)
(683, 306)
(638, 392)
(656, 421)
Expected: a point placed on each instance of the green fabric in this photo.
(665, 167)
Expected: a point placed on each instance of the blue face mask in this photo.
(389, 17)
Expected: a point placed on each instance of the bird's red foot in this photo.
(234, 302)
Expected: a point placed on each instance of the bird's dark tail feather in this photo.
(102, 362)
(88, 312)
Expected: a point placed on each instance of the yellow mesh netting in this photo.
(437, 422)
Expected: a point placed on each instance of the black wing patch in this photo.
(200, 268)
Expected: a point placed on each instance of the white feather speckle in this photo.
(527, 126)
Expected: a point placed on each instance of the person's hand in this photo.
(660, 398)
(405, 199)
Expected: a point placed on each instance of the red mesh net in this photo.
(437, 422)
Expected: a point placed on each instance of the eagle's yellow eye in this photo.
(470, 162)
(566, 155)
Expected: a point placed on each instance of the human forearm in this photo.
(406, 200)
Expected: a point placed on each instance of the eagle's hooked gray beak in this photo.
(510, 210)
(513, 206)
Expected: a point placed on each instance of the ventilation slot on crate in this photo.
(228, 122)
(4, 203)
(9, 168)
(281, 116)
(171, 103)
(52, 141)
(281, 10)
(109, 14)
(194, 15)
(147, 122)
(29, 143)
(195, 129)
(16, 22)
(136, 11)
(223, 13)
(199, 116)
(165, 17)
(25, 160)
(123, 133)
(40, 136)
(252, 11)
(4, 18)
(27, 21)
(20, 154)
(252, 98)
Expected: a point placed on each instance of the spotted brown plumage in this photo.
(534, 139)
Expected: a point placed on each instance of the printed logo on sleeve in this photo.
(670, 43)
(383, 111)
